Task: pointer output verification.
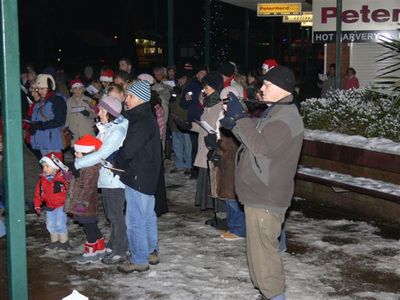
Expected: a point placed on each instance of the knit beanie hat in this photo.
(199, 68)
(87, 143)
(47, 160)
(146, 77)
(227, 69)
(107, 75)
(269, 63)
(111, 105)
(141, 90)
(281, 76)
(214, 80)
(45, 81)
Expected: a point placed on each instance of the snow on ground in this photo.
(326, 259)
(356, 141)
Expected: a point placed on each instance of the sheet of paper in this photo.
(171, 83)
(206, 127)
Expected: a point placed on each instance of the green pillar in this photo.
(246, 37)
(207, 16)
(338, 43)
(170, 32)
(13, 158)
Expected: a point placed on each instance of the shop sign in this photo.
(304, 17)
(278, 9)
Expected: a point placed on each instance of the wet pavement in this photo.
(347, 272)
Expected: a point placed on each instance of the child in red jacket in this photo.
(52, 190)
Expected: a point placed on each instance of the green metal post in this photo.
(13, 164)
(207, 17)
(170, 32)
(338, 43)
(246, 37)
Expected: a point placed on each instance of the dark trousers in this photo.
(92, 232)
(114, 204)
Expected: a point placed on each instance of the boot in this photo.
(63, 237)
(64, 244)
(54, 242)
(90, 254)
(101, 247)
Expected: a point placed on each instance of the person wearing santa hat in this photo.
(51, 190)
(106, 78)
(267, 65)
(83, 203)
(80, 111)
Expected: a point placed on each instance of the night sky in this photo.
(85, 30)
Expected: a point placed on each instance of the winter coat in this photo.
(52, 113)
(52, 192)
(266, 162)
(141, 156)
(77, 122)
(193, 107)
(227, 148)
(83, 195)
(112, 135)
(176, 110)
(210, 115)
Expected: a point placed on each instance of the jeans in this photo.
(182, 147)
(141, 223)
(235, 218)
(282, 239)
(114, 204)
(56, 220)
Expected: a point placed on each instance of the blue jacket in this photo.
(112, 135)
(193, 107)
(51, 114)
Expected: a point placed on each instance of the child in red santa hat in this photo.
(83, 201)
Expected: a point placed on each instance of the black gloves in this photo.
(85, 113)
(234, 112)
(35, 126)
(185, 125)
(211, 141)
(74, 171)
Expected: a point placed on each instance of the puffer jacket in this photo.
(52, 192)
(112, 135)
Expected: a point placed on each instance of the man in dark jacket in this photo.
(140, 158)
(266, 164)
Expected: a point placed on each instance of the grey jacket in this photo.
(266, 162)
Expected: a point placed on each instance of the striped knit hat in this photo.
(141, 90)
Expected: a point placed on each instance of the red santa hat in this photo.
(76, 83)
(269, 63)
(107, 75)
(48, 161)
(87, 144)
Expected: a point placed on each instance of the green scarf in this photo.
(211, 100)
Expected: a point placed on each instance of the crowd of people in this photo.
(238, 133)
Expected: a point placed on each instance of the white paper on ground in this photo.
(75, 295)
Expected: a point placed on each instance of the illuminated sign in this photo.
(278, 9)
(362, 20)
(304, 17)
(306, 24)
